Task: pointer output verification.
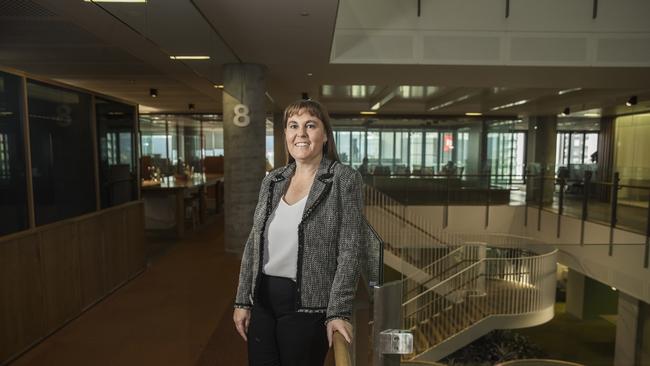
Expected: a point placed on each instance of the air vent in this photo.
(23, 8)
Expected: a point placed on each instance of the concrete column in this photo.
(244, 119)
(626, 331)
(279, 150)
(575, 294)
(542, 131)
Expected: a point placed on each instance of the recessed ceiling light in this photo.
(304, 14)
(153, 92)
(218, 86)
(566, 111)
(310, 74)
(473, 114)
(367, 112)
(189, 57)
(632, 101)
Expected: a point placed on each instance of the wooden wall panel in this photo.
(21, 295)
(92, 261)
(115, 237)
(59, 248)
(49, 274)
(136, 239)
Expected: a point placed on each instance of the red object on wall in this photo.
(449, 142)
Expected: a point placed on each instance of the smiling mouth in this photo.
(301, 144)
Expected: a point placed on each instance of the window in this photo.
(343, 146)
(415, 161)
(358, 147)
(373, 148)
(387, 148)
(431, 149)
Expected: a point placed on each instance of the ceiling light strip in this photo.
(509, 105)
(447, 104)
(201, 57)
(567, 91)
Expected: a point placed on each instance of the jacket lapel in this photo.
(279, 184)
(320, 187)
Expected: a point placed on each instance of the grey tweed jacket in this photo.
(331, 240)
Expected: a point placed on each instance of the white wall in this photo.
(632, 153)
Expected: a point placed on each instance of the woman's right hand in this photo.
(242, 318)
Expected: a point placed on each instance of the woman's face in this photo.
(305, 136)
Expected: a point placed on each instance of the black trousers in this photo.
(280, 336)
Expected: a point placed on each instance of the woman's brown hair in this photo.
(317, 110)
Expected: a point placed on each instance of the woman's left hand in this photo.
(341, 326)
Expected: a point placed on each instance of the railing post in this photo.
(561, 208)
(487, 203)
(585, 202)
(388, 314)
(526, 181)
(541, 200)
(446, 213)
(647, 236)
(613, 206)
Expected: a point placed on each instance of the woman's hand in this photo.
(242, 318)
(341, 326)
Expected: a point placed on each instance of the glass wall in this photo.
(13, 193)
(575, 153)
(406, 151)
(117, 158)
(173, 143)
(63, 173)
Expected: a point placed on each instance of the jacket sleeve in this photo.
(243, 298)
(244, 289)
(350, 248)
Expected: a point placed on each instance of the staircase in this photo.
(458, 287)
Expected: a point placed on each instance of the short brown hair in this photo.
(317, 110)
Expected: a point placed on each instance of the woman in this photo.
(301, 262)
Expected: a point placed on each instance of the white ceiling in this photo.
(123, 50)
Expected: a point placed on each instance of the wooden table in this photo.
(181, 188)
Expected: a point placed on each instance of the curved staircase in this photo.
(458, 287)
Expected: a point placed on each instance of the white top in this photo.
(281, 239)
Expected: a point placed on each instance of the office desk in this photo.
(181, 188)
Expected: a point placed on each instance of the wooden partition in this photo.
(50, 274)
